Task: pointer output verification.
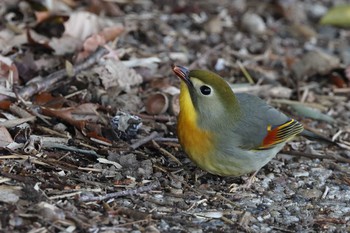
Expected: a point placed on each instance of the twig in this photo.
(162, 118)
(335, 136)
(219, 195)
(341, 90)
(127, 192)
(314, 156)
(25, 103)
(15, 122)
(162, 139)
(72, 149)
(59, 75)
(245, 72)
(144, 140)
(325, 192)
(166, 153)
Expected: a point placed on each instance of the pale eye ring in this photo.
(205, 90)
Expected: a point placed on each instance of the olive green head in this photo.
(210, 94)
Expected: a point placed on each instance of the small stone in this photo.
(301, 174)
(310, 193)
(253, 23)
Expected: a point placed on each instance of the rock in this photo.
(253, 23)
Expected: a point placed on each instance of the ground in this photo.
(89, 105)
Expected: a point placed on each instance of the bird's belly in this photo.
(239, 162)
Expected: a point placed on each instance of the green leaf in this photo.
(312, 113)
(337, 16)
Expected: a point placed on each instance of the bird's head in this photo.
(210, 95)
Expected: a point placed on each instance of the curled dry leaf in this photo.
(101, 38)
(157, 103)
(174, 106)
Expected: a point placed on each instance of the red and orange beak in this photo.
(182, 73)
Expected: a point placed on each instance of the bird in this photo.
(227, 133)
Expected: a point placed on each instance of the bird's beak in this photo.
(183, 74)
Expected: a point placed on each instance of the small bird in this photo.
(229, 134)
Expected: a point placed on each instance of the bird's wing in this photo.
(281, 133)
(262, 126)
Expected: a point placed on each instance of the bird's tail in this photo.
(313, 136)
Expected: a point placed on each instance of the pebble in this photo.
(253, 23)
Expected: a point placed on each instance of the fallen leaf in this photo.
(77, 116)
(337, 16)
(5, 137)
(311, 113)
(115, 74)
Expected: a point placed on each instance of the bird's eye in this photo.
(205, 90)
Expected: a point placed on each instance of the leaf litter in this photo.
(89, 105)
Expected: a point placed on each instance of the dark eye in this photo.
(205, 90)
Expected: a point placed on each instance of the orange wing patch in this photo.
(281, 133)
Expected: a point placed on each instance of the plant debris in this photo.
(88, 107)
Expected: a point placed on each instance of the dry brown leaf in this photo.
(101, 38)
(116, 74)
(110, 33)
(5, 137)
(47, 100)
(77, 116)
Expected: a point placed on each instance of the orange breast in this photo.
(196, 142)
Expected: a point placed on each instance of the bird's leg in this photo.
(250, 181)
(234, 187)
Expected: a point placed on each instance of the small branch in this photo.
(144, 140)
(161, 118)
(161, 139)
(166, 153)
(245, 72)
(128, 192)
(47, 82)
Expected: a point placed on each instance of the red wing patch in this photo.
(281, 134)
